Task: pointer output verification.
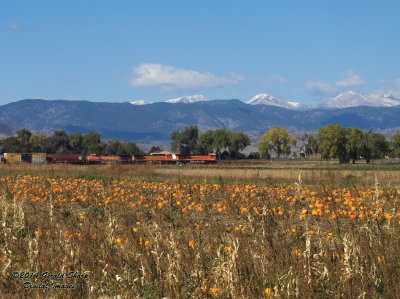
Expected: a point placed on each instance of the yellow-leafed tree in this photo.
(278, 140)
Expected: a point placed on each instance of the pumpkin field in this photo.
(145, 234)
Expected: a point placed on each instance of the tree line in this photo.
(62, 143)
(224, 143)
(333, 142)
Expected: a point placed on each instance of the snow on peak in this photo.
(188, 99)
(353, 99)
(391, 97)
(262, 98)
(266, 99)
(140, 102)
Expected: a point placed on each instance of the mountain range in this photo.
(153, 123)
(344, 100)
(354, 99)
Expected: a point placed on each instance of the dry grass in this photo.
(284, 176)
(152, 232)
(260, 173)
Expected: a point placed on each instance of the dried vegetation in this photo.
(136, 233)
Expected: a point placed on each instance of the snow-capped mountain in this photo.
(266, 99)
(140, 102)
(154, 123)
(354, 99)
(344, 100)
(189, 99)
(391, 97)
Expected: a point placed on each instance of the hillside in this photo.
(154, 122)
(6, 130)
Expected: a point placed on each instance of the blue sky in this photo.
(116, 51)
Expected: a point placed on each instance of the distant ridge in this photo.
(154, 123)
(7, 130)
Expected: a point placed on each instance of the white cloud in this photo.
(389, 87)
(170, 79)
(319, 88)
(14, 26)
(273, 79)
(352, 79)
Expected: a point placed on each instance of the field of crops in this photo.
(69, 236)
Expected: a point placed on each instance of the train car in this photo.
(116, 159)
(154, 159)
(164, 158)
(66, 158)
(26, 158)
(39, 158)
(172, 159)
(95, 159)
(16, 158)
(12, 158)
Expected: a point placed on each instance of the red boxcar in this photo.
(66, 158)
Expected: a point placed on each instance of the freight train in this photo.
(15, 158)
(173, 158)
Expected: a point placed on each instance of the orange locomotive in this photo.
(95, 159)
(199, 159)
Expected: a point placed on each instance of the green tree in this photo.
(92, 143)
(222, 141)
(374, 146)
(312, 145)
(380, 145)
(130, 148)
(23, 136)
(176, 140)
(395, 144)
(353, 144)
(58, 143)
(309, 144)
(38, 142)
(332, 143)
(113, 147)
(185, 141)
(278, 140)
(10, 145)
(206, 143)
(254, 155)
(238, 141)
(76, 143)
